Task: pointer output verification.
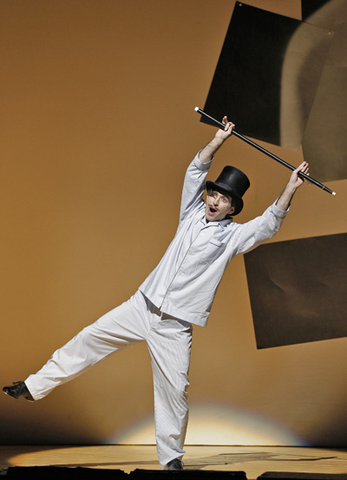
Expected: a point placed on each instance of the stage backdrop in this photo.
(97, 129)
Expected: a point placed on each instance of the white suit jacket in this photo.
(185, 281)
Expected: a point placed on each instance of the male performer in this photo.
(176, 295)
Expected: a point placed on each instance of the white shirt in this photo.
(185, 281)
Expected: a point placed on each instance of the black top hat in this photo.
(233, 182)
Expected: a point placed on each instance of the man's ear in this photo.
(231, 211)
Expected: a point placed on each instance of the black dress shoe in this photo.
(19, 389)
(175, 464)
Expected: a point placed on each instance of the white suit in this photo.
(177, 294)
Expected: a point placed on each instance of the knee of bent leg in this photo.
(180, 390)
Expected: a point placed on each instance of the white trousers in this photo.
(169, 344)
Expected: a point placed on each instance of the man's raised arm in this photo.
(211, 148)
(294, 183)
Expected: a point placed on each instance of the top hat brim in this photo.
(223, 188)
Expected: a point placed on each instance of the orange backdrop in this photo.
(97, 128)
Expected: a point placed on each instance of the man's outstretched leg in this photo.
(121, 327)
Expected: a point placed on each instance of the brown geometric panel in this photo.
(298, 290)
(266, 78)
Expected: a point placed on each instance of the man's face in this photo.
(218, 206)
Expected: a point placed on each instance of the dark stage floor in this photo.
(254, 461)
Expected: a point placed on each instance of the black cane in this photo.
(274, 157)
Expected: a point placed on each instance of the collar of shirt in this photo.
(222, 223)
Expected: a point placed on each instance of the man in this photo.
(177, 295)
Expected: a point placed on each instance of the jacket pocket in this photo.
(213, 250)
(216, 242)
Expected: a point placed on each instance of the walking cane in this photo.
(258, 147)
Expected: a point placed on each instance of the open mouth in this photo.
(212, 210)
